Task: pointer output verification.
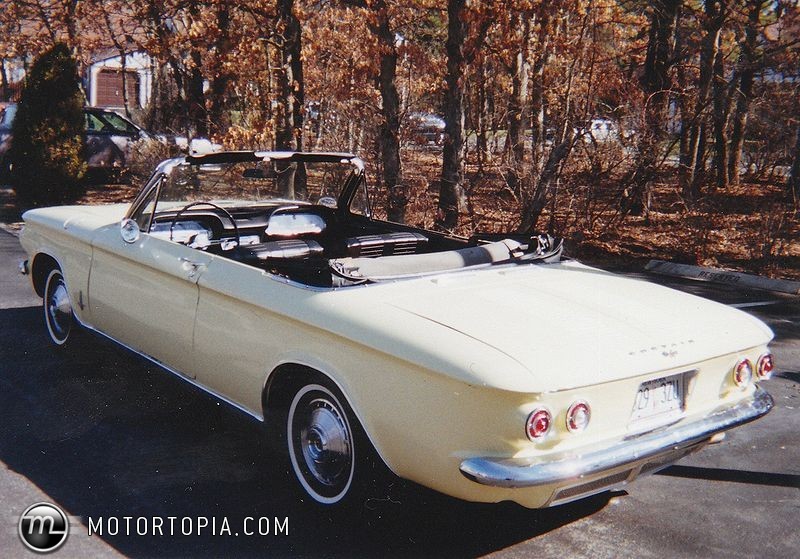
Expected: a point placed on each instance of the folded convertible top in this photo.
(397, 267)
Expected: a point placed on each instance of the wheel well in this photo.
(279, 388)
(41, 267)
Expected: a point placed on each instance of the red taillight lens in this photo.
(538, 424)
(578, 416)
(765, 366)
(743, 373)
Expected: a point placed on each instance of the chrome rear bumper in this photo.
(667, 445)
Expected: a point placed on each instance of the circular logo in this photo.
(43, 527)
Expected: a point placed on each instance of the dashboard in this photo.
(207, 227)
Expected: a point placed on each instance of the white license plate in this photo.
(659, 400)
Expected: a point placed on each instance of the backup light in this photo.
(578, 416)
(538, 423)
(743, 373)
(765, 366)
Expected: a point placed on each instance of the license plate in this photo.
(658, 400)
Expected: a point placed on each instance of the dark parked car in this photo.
(425, 129)
(108, 138)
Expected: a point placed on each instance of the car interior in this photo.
(316, 242)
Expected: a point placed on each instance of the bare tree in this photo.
(793, 184)
(390, 108)
(289, 103)
(543, 182)
(656, 86)
(540, 62)
(517, 102)
(451, 192)
(693, 160)
(721, 106)
(744, 93)
(220, 78)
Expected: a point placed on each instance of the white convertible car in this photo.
(489, 368)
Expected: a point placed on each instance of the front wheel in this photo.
(58, 315)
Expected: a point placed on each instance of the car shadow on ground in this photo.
(104, 433)
(738, 476)
(790, 375)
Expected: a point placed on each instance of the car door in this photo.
(108, 138)
(242, 328)
(144, 294)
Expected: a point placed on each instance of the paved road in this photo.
(104, 433)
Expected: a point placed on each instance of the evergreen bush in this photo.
(47, 144)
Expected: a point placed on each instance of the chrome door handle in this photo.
(191, 266)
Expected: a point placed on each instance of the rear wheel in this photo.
(328, 451)
(58, 316)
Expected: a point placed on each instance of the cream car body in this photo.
(442, 370)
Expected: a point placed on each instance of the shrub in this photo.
(145, 154)
(47, 146)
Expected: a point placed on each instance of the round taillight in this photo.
(765, 366)
(743, 373)
(538, 424)
(578, 416)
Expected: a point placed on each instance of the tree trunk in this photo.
(747, 62)
(170, 109)
(793, 184)
(516, 107)
(451, 190)
(218, 91)
(285, 137)
(287, 107)
(720, 121)
(538, 131)
(123, 57)
(390, 107)
(656, 87)
(482, 115)
(687, 119)
(695, 154)
(533, 206)
(5, 89)
(299, 98)
(196, 97)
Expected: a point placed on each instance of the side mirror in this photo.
(129, 230)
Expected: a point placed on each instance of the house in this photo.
(106, 75)
(103, 80)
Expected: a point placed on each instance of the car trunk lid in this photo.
(579, 325)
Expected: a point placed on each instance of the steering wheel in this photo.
(225, 212)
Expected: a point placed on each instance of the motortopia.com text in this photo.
(187, 526)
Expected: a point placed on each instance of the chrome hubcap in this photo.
(59, 310)
(325, 443)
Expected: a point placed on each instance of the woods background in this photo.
(664, 128)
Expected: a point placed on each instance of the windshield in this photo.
(254, 183)
(106, 121)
